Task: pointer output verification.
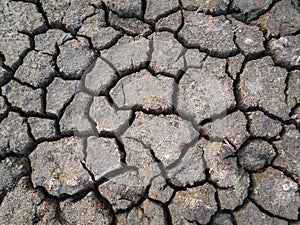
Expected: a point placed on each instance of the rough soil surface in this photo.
(137, 112)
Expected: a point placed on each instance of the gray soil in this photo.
(137, 112)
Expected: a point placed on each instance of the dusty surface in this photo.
(176, 112)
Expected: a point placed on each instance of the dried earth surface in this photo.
(136, 112)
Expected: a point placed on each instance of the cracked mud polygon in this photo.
(150, 112)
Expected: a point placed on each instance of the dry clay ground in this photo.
(150, 112)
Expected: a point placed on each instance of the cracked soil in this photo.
(176, 112)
